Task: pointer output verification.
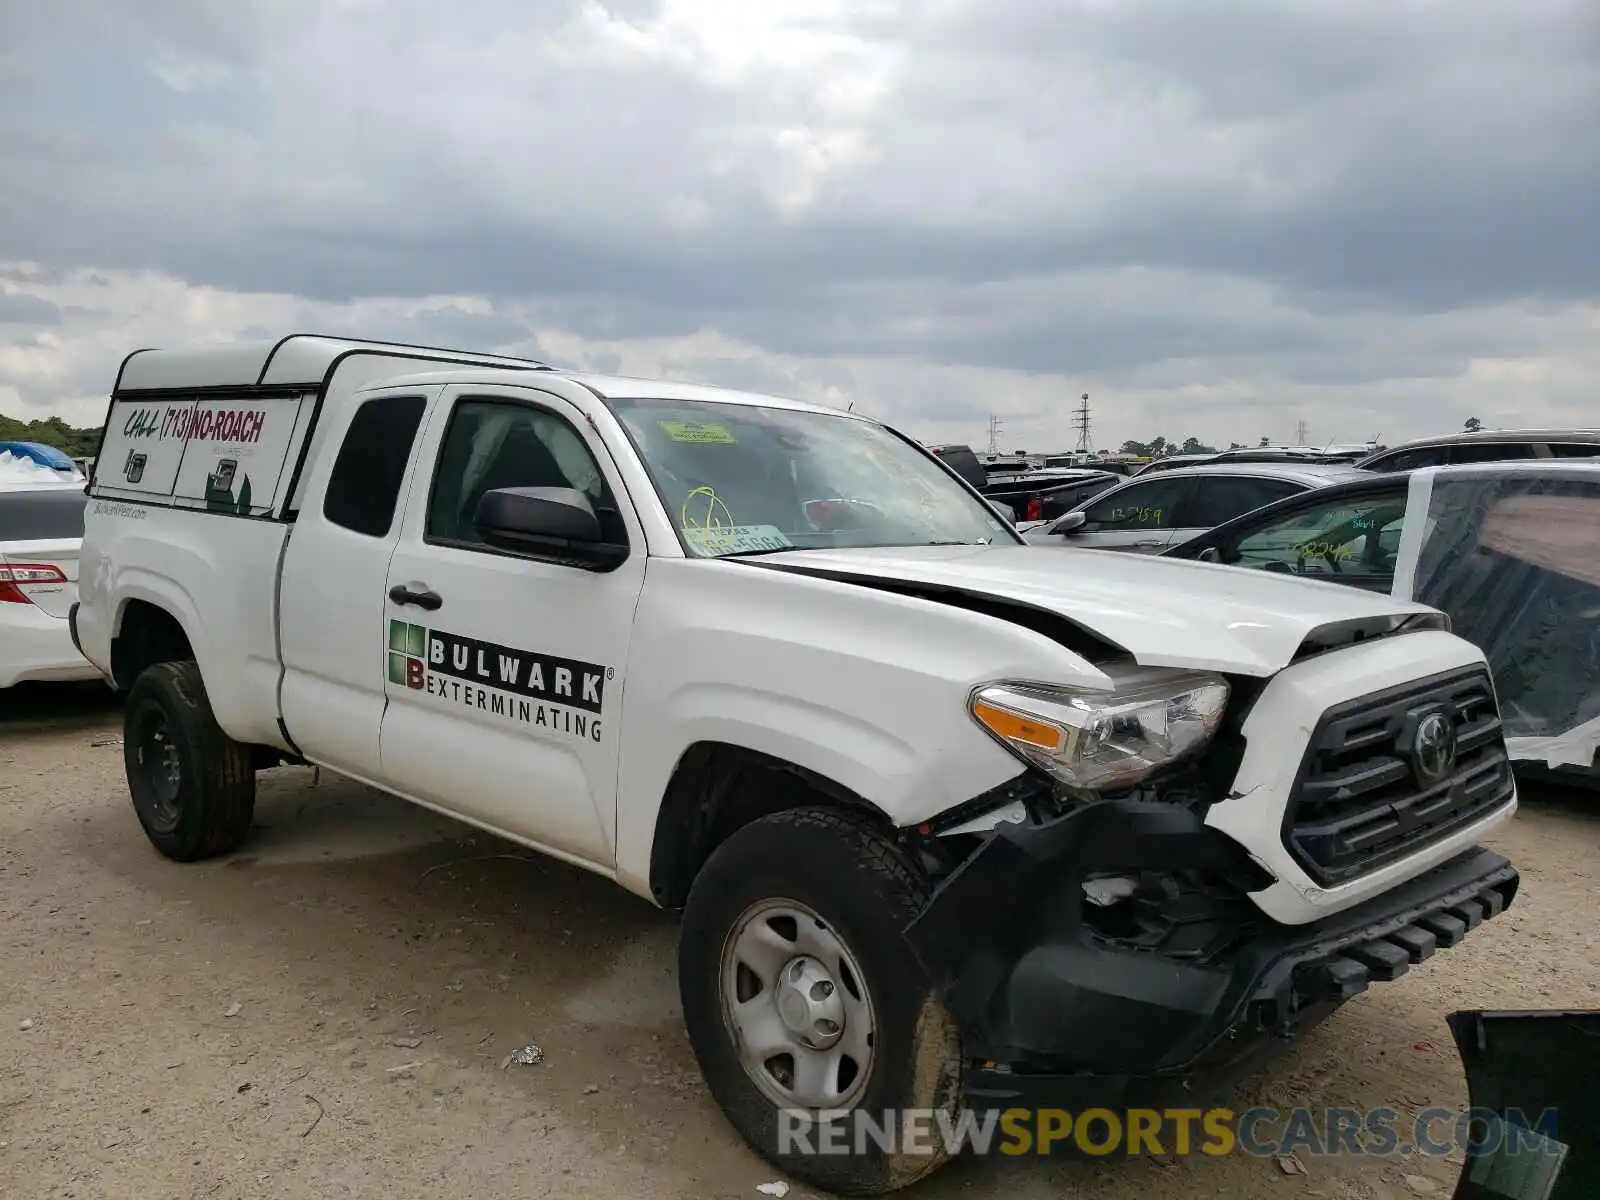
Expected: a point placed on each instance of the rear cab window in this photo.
(364, 486)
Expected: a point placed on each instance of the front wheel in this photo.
(193, 787)
(814, 1025)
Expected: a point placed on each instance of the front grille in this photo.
(1362, 800)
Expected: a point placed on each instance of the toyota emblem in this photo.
(1433, 747)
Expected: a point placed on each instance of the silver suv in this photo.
(1485, 445)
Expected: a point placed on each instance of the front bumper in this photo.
(1061, 1014)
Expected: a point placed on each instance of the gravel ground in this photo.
(327, 1013)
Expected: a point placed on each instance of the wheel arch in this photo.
(716, 789)
(149, 628)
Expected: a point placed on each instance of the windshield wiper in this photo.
(874, 546)
(757, 550)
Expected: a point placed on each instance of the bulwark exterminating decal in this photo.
(560, 695)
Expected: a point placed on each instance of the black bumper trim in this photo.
(72, 627)
(1055, 1009)
(1386, 947)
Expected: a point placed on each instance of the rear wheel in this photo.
(813, 1023)
(193, 787)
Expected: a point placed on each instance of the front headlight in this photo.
(1105, 740)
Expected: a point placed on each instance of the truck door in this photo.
(330, 609)
(504, 673)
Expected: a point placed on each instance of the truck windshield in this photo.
(739, 479)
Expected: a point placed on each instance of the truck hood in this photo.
(1163, 612)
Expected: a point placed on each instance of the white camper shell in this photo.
(230, 429)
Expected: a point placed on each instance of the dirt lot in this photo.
(327, 1014)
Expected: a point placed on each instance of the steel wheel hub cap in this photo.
(808, 1001)
(796, 1006)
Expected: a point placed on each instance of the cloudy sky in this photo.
(1219, 219)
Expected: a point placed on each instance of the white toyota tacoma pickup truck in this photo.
(953, 822)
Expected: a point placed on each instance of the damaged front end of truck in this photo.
(1098, 945)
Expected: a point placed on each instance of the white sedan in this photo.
(41, 527)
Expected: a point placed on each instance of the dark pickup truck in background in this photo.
(1032, 495)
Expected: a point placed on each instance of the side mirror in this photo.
(554, 523)
(1006, 511)
(1070, 524)
(1210, 554)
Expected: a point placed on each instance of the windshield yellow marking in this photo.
(704, 509)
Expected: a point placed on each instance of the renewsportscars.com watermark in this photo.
(1259, 1132)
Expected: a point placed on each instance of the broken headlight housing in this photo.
(1099, 740)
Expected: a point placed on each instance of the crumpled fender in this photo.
(1024, 887)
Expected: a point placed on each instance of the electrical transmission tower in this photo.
(1300, 433)
(1080, 422)
(994, 435)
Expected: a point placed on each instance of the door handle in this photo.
(424, 599)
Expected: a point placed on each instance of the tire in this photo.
(856, 886)
(193, 787)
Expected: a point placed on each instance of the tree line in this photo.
(1158, 447)
(52, 431)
